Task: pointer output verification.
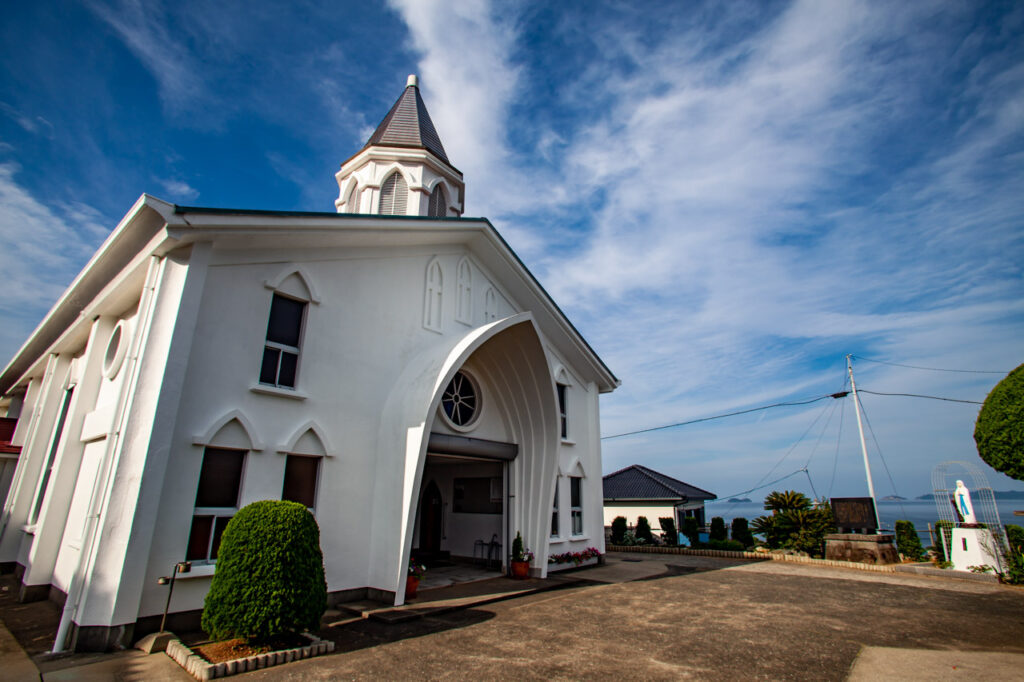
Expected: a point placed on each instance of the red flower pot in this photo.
(412, 583)
(520, 569)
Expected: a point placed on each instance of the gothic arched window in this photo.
(464, 293)
(438, 203)
(394, 194)
(432, 297)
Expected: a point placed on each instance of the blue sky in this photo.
(726, 198)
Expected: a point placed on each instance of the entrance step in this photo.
(362, 609)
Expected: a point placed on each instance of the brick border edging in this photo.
(756, 556)
(199, 668)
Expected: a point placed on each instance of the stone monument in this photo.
(858, 539)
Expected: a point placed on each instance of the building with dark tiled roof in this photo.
(638, 491)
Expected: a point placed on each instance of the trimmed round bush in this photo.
(270, 574)
(618, 529)
(643, 529)
(999, 431)
(718, 529)
(741, 532)
(908, 542)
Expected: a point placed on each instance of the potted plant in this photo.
(412, 579)
(521, 558)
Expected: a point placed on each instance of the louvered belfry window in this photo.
(393, 195)
(438, 205)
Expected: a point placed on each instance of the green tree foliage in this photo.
(907, 541)
(789, 500)
(741, 532)
(517, 547)
(643, 529)
(618, 529)
(796, 523)
(691, 530)
(999, 431)
(270, 574)
(668, 530)
(945, 529)
(1014, 574)
(718, 529)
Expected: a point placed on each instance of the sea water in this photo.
(920, 512)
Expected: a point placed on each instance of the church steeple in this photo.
(403, 168)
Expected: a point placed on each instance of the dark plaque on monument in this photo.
(854, 514)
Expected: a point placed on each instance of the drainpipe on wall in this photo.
(102, 487)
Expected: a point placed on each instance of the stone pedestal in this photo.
(973, 547)
(861, 548)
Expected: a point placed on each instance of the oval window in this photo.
(113, 358)
(460, 402)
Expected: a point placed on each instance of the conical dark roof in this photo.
(408, 125)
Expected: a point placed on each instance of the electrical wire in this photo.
(841, 394)
(839, 436)
(878, 448)
(930, 369)
(769, 483)
(918, 395)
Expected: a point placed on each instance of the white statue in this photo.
(962, 498)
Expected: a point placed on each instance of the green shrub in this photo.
(643, 529)
(718, 529)
(618, 529)
(741, 532)
(795, 523)
(270, 574)
(999, 430)
(1015, 534)
(727, 545)
(907, 541)
(691, 530)
(944, 529)
(668, 530)
(517, 547)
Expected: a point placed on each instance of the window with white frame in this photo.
(394, 195)
(563, 412)
(51, 455)
(554, 512)
(576, 504)
(220, 482)
(284, 333)
(301, 473)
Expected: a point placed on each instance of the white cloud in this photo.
(179, 190)
(39, 254)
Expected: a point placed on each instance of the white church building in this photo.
(392, 365)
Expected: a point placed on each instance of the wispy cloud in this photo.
(179, 190)
(41, 252)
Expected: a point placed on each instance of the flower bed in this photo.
(589, 555)
(202, 669)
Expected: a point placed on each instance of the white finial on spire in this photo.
(413, 81)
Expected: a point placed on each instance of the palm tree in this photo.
(789, 500)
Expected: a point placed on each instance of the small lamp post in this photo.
(180, 567)
(157, 641)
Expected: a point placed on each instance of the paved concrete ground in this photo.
(697, 618)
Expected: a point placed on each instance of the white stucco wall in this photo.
(200, 347)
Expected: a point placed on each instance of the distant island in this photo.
(998, 494)
(893, 498)
(739, 499)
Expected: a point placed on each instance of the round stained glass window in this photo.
(460, 401)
